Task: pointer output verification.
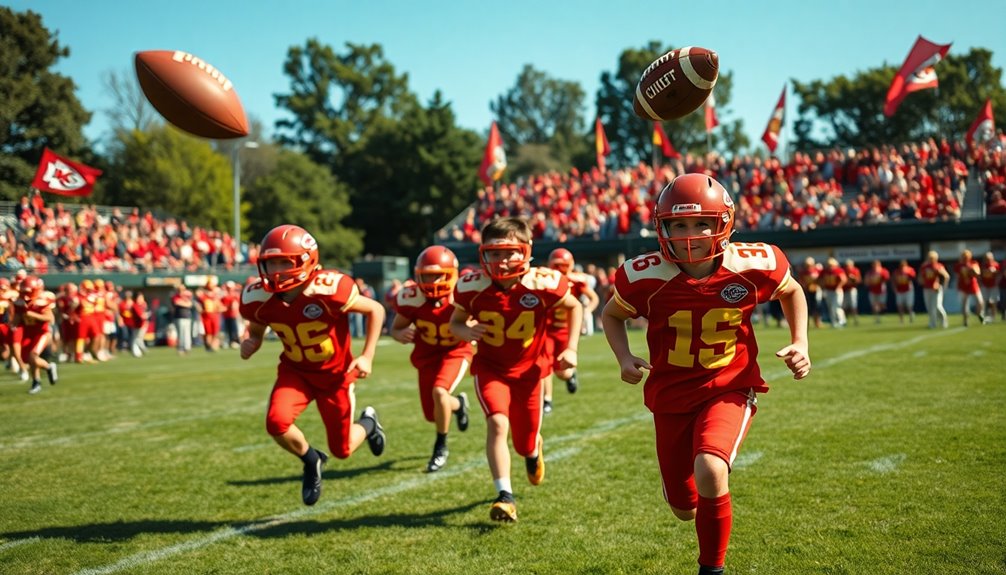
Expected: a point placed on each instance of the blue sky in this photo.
(473, 51)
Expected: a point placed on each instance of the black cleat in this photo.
(311, 489)
(462, 413)
(703, 570)
(376, 438)
(572, 384)
(35, 388)
(547, 408)
(439, 459)
(52, 373)
(504, 508)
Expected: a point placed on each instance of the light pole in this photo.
(237, 193)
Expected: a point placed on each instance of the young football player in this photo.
(850, 299)
(903, 280)
(698, 294)
(934, 278)
(509, 302)
(34, 313)
(968, 272)
(423, 316)
(989, 279)
(307, 308)
(557, 328)
(876, 283)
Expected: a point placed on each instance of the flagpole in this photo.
(709, 141)
(653, 148)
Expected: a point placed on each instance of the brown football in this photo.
(191, 94)
(676, 84)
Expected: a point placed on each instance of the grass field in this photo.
(889, 459)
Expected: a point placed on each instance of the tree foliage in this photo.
(848, 111)
(301, 192)
(39, 106)
(631, 138)
(166, 170)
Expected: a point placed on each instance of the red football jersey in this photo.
(432, 319)
(903, 278)
(967, 276)
(853, 276)
(512, 347)
(699, 332)
(314, 328)
(45, 301)
(831, 277)
(558, 320)
(876, 281)
(990, 273)
(929, 275)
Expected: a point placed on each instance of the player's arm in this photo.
(374, 312)
(794, 307)
(567, 357)
(253, 341)
(464, 327)
(40, 317)
(593, 300)
(613, 319)
(402, 330)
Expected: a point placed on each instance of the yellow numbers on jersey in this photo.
(432, 334)
(713, 333)
(522, 328)
(307, 341)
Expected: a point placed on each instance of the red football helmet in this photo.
(561, 259)
(694, 196)
(509, 269)
(436, 271)
(294, 244)
(31, 287)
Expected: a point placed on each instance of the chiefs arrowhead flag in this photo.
(711, 121)
(917, 73)
(600, 143)
(661, 140)
(494, 158)
(771, 135)
(983, 128)
(59, 175)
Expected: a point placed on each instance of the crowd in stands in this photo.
(43, 238)
(923, 181)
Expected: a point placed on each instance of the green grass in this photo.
(888, 460)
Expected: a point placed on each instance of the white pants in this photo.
(934, 305)
(835, 312)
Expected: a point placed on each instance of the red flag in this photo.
(917, 73)
(660, 139)
(711, 121)
(600, 143)
(771, 135)
(984, 126)
(58, 175)
(494, 158)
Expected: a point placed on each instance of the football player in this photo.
(307, 308)
(876, 283)
(968, 272)
(989, 279)
(34, 314)
(557, 328)
(698, 294)
(423, 318)
(510, 301)
(810, 279)
(833, 281)
(934, 278)
(903, 279)
(850, 299)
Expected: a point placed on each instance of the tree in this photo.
(413, 176)
(165, 169)
(130, 109)
(848, 111)
(299, 191)
(39, 106)
(631, 137)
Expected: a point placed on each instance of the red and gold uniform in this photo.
(90, 319)
(930, 276)
(557, 326)
(876, 281)
(314, 329)
(989, 279)
(510, 362)
(35, 335)
(7, 298)
(440, 358)
(967, 277)
(209, 300)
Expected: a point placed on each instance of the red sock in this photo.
(713, 519)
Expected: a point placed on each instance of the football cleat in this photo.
(24, 375)
(376, 438)
(439, 459)
(572, 384)
(504, 508)
(462, 413)
(547, 408)
(536, 465)
(52, 373)
(703, 570)
(35, 388)
(311, 489)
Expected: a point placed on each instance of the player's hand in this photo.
(634, 368)
(797, 359)
(406, 335)
(249, 346)
(362, 365)
(566, 359)
(476, 332)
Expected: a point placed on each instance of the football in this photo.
(191, 94)
(676, 83)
